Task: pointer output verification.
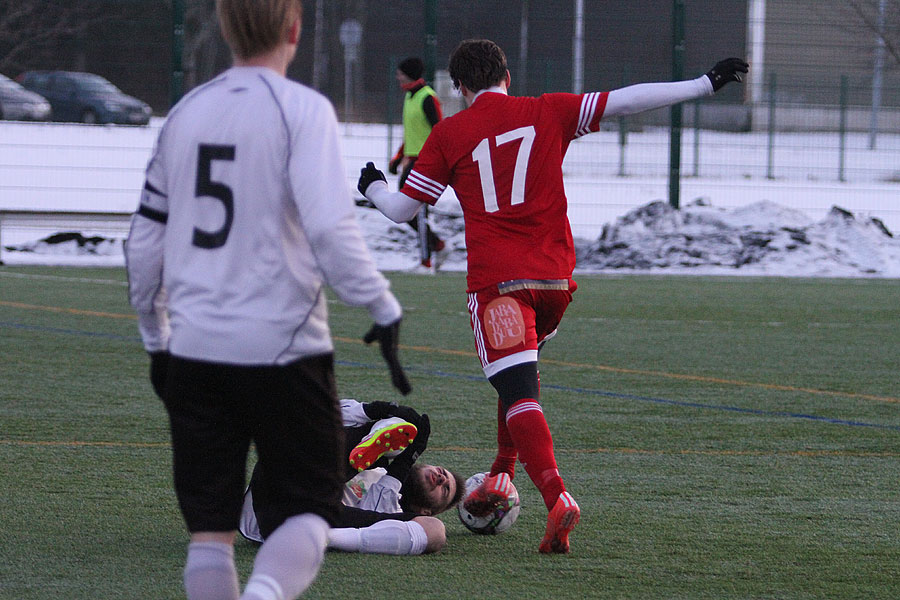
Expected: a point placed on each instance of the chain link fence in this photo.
(818, 117)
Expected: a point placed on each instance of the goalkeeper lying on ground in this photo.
(389, 500)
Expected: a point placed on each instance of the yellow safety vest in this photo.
(416, 127)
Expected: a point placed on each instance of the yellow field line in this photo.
(71, 311)
(606, 368)
(626, 451)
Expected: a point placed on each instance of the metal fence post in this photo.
(390, 108)
(675, 126)
(177, 82)
(842, 128)
(770, 162)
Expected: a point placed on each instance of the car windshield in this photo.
(8, 84)
(98, 85)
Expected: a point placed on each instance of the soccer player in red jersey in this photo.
(503, 157)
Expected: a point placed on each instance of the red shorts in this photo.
(511, 319)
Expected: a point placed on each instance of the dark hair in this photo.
(412, 492)
(412, 67)
(477, 64)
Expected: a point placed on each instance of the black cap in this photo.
(412, 67)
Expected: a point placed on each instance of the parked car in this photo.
(18, 104)
(86, 98)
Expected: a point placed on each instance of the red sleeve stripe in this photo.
(427, 186)
(586, 116)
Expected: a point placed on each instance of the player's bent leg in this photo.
(388, 438)
(435, 533)
(560, 522)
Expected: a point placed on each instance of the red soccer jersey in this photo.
(503, 156)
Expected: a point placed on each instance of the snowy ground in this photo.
(758, 239)
(732, 223)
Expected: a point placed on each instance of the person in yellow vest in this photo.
(421, 111)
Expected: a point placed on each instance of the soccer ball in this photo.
(498, 521)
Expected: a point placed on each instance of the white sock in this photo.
(289, 559)
(209, 572)
(384, 537)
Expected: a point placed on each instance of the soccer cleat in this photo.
(484, 499)
(560, 522)
(422, 268)
(388, 437)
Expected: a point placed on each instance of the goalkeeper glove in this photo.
(727, 70)
(388, 336)
(367, 176)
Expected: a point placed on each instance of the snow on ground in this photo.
(733, 220)
(762, 238)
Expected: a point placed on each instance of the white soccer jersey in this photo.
(245, 216)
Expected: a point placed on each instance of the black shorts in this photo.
(290, 412)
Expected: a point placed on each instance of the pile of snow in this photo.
(762, 238)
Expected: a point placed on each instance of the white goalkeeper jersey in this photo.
(245, 216)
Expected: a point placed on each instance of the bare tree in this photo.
(32, 29)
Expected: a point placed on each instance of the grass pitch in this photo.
(724, 437)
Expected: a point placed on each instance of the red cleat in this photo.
(489, 495)
(560, 522)
(387, 438)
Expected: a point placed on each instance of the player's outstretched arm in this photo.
(642, 97)
(396, 206)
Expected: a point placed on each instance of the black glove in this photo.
(159, 370)
(401, 465)
(387, 336)
(382, 410)
(727, 70)
(367, 176)
(394, 165)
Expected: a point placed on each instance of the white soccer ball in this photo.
(498, 521)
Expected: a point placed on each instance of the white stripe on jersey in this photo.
(476, 329)
(425, 185)
(588, 108)
(523, 407)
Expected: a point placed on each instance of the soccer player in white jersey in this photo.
(390, 505)
(242, 222)
(503, 156)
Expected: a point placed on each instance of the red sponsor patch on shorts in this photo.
(503, 323)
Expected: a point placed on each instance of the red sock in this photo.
(528, 428)
(506, 449)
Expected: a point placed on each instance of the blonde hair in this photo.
(254, 27)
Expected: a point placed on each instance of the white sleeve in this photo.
(144, 262)
(398, 538)
(328, 217)
(353, 414)
(383, 496)
(396, 206)
(648, 96)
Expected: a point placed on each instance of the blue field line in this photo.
(108, 336)
(561, 388)
(682, 403)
